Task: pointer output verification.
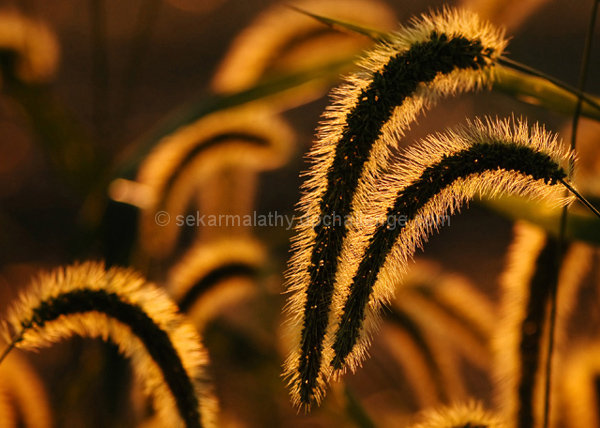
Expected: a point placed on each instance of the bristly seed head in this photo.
(433, 180)
(120, 306)
(437, 56)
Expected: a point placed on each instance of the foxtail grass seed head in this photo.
(25, 392)
(229, 192)
(519, 340)
(282, 39)
(449, 306)
(432, 181)
(32, 47)
(579, 379)
(118, 305)
(416, 362)
(442, 328)
(436, 363)
(8, 418)
(249, 138)
(518, 390)
(212, 274)
(437, 55)
(470, 415)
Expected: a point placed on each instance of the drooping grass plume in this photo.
(282, 39)
(470, 415)
(120, 306)
(29, 51)
(408, 347)
(438, 55)
(8, 418)
(432, 180)
(520, 337)
(432, 365)
(522, 334)
(580, 386)
(212, 274)
(250, 139)
(451, 307)
(435, 312)
(586, 175)
(25, 392)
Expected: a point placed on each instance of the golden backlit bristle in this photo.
(25, 392)
(204, 258)
(515, 283)
(163, 165)
(448, 201)
(345, 98)
(133, 290)
(35, 45)
(467, 415)
(267, 45)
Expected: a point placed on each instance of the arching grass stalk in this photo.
(381, 36)
(438, 55)
(281, 39)
(120, 306)
(563, 220)
(433, 180)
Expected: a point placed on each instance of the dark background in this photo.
(41, 211)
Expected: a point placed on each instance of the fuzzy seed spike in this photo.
(416, 363)
(213, 273)
(436, 56)
(579, 379)
(448, 305)
(433, 180)
(24, 388)
(522, 333)
(470, 415)
(284, 39)
(438, 364)
(253, 139)
(120, 306)
(33, 45)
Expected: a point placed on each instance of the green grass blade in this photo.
(525, 87)
(540, 92)
(581, 225)
(340, 25)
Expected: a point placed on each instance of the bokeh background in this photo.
(126, 65)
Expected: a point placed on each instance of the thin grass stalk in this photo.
(563, 220)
